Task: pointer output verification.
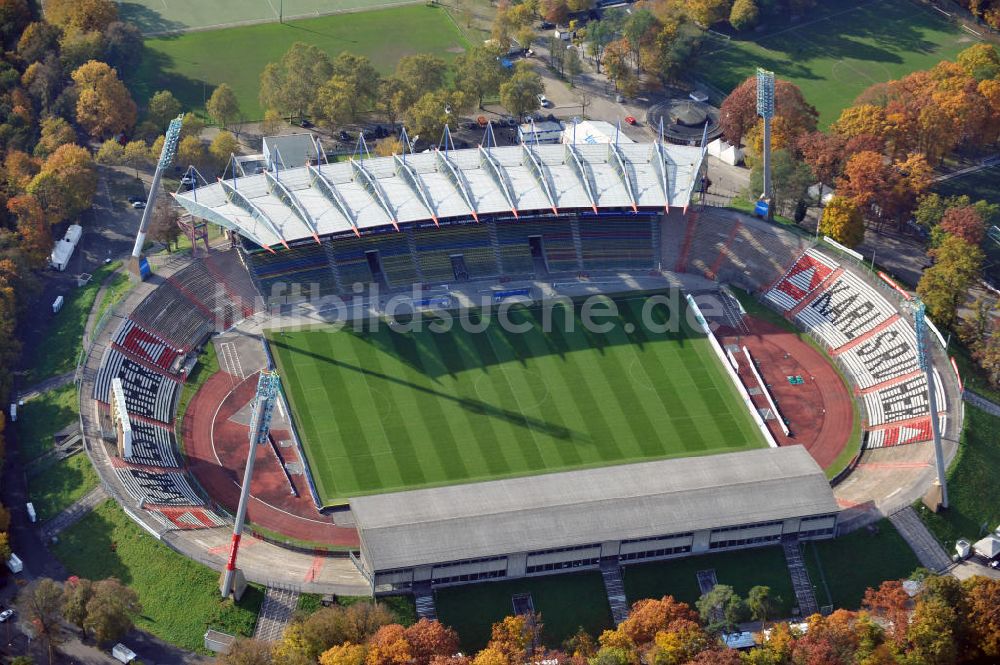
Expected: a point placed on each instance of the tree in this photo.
(478, 72)
(111, 153)
(965, 223)
(861, 119)
(519, 94)
(428, 639)
(982, 598)
(744, 14)
(122, 45)
(389, 146)
(66, 185)
(760, 603)
(683, 641)
(103, 106)
(721, 608)
(931, 633)
(738, 113)
(271, 124)
(573, 66)
(980, 61)
(290, 85)
(359, 80)
(790, 178)
(388, 646)
(44, 82)
(36, 243)
(191, 125)
(40, 603)
(516, 637)
(223, 106)
(136, 155)
(890, 602)
(427, 116)
(190, 152)
(79, 16)
(344, 654)
(648, 617)
(867, 178)
(39, 39)
(244, 651)
(55, 132)
(14, 17)
(111, 611)
(824, 153)
(163, 107)
(708, 12)
(77, 592)
(422, 72)
(223, 146)
(842, 221)
(943, 286)
(555, 11)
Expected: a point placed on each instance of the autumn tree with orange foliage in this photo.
(103, 107)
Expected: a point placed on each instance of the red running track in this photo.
(820, 412)
(216, 450)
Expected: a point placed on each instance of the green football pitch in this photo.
(381, 410)
(838, 49)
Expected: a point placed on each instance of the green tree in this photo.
(55, 132)
(190, 152)
(721, 608)
(428, 115)
(842, 221)
(744, 14)
(478, 72)
(944, 285)
(110, 153)
(191, 125)
(290, 85)
(931, 633)
(520, 93)
(359, 79)
(136, 155)
(163, 107)
(77, 592)
(222, 106)
(760, 603)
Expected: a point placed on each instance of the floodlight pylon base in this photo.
(239, 585)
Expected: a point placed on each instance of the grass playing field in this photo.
(838, 49)
(193, 64)
(385, 411)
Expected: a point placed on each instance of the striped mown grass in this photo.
(382, 410)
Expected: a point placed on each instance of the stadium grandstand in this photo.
(453, 216)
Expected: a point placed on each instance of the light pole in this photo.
(138, 265)
(765, 109)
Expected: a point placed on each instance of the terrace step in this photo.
(275, 612)
(614, 588)
(805, 595)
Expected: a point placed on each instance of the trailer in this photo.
(15, 564)
(63, 250)
(32, 515)
(122, 653)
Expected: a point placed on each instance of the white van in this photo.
(31, 512)
(122, 653)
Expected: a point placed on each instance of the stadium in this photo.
(772, 394)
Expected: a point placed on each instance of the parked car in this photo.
(139, 205)
(304, 123)
(544, 102)
(6, 614)
(187, 180)
(133, 199)
(630, 119)
(547, 25)
(344, 136)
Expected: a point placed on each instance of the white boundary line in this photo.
(767, 393)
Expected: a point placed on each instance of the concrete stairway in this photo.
(928, 550)
(275, 612)
(423, 598)
(615, 588)
(804, 593)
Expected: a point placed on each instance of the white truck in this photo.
(63, 249)
(32, 515)
(15, 564)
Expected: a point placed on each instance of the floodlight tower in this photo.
(263, 403)
(765, 109)
(926, 364)
(138, 265)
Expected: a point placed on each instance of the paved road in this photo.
(981, 402)
(928, 550)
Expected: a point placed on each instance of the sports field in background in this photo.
(837, 50)
(191, 65)
(385, 411)
(159, 16)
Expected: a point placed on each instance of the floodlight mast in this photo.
(137, 263)
(765, 109)
(926, 364)
(260, 428)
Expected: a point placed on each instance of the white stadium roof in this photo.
(278, 208)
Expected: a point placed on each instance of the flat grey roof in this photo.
(458, 522)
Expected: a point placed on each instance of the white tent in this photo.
(730, 154)
(988, 547)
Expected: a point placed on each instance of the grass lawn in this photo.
(63, 336)
(836, 50)
(120, 284)
(740, 570)
(841, 569)
(973, 491)
(40, 418)
(402, 607)
(566, 603)
(193, 64)
(207, 365)
(758, 310)
(59, 484)
(383, 410)
(180, 598)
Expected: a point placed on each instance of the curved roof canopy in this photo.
(309, 202)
